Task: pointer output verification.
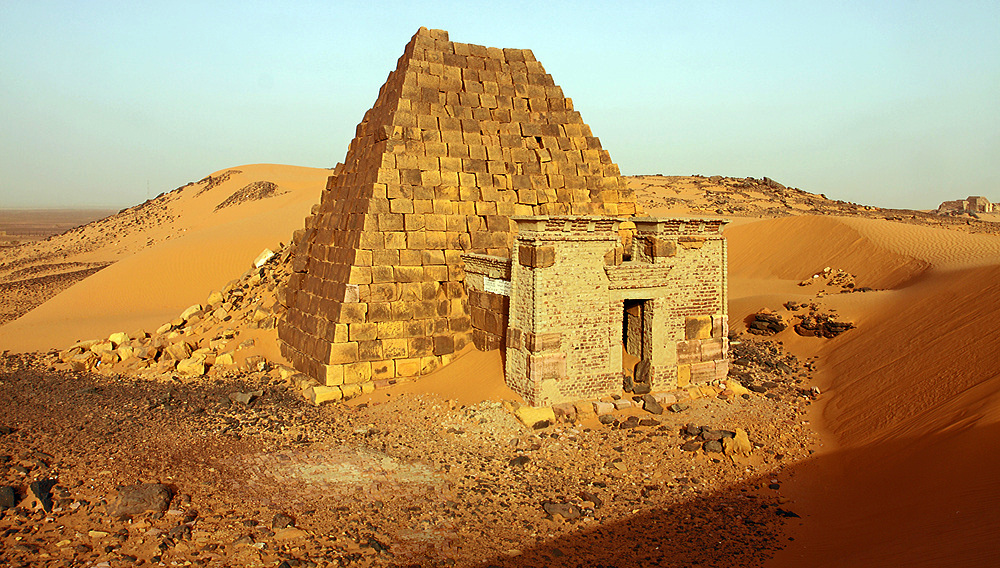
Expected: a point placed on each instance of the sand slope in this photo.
(912, 397)
(163, 267)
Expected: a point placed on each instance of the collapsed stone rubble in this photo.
(205, 338)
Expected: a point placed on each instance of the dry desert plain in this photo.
(876, 447)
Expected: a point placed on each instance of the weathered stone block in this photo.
(333, 375)
(547, 366)
(543, 341)
(370, 350)
(688, 351)
(343, 353)
(361, 331)
(382, 370)
(408, 368)
(614, 256)
(319, 394)
(429, 364)
(683, 375)
(720, 326)
(444, 344)
(703, 372)
(691, 242)
(395, 348)
(357, 372)
(697, 327)
(711, 349)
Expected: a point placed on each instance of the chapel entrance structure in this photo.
(472, 201)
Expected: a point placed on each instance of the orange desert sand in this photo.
(905, 473)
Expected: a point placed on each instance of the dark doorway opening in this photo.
(635, 344)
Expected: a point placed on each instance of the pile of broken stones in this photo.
(836, 278)
(203, 339)
(814, 323)
(817, 323)
(766, 322)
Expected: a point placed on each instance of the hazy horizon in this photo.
(890, 104)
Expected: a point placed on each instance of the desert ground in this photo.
(871, 446)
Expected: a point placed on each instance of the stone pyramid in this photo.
(461, 138)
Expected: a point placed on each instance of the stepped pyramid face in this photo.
(461, 138)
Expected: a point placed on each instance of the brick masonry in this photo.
(579, 290)
(461, 138)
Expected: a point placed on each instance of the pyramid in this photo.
(461, 138)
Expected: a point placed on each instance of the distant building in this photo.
(971, 204)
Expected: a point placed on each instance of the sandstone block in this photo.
(738, 445)
(383, 370)
(542, 341)
(697, 327)
(429, 364)
(320, 394)
(691, 242)
(117, 339)
(602, 408)
(409, 367)
(357, 372)
(703, 372)
(341, 353)
(531, 416)
(584, 409)
(688, 351)
(351, 390)
(192, 366)
(333, 375)
(262, 258)
(564, 410)
(661, 248)
(178, 351)
(683, 375)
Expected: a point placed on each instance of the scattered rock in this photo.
(519, 461)
(246, 398)
(649, 404)
(738, 445)
(281, 520)
(39, 495)
(136, 499)
(567, 511)
(691, 446)
(8, 497)
(766, 322)
(531, 416)
(714, 446)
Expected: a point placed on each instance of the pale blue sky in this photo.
(885, 103)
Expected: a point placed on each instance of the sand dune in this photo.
(906, 476)
(794, 248)
(163, 267)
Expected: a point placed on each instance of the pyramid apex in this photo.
(432, 33)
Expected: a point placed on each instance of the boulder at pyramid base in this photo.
(461, 138)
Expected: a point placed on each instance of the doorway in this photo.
(634, 328)
(636, 345)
